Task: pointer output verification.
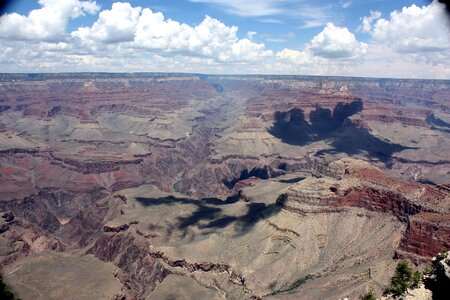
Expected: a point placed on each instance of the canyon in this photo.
(182, 186)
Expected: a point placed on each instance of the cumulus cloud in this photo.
(331, 44)
(251, 34)
(145, 29)
(295, 57)
(412, 42)
(115, 25)
(123, 37)
(414, 29)
(367, 21)
(336, 42)
(333, 51)
(47, 23)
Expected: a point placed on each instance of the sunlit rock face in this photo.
(236, 187)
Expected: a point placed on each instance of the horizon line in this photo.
(214, 75)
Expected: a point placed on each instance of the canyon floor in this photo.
(189, 186)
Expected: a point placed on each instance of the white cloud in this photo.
(124, 38)
(367, 21)
(296, 57)
(380, 61)
(336, 42)
(280, 38)
(414, 29)
(47, 23)
(248, 8)
(145, 29)
(115, 25)
(251, 34)
(409, 43)
(309, 13)
(271, 21)
(311, 24)
(346, 4)
(334, 51)
(413, 43)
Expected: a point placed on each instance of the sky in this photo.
(370, 38)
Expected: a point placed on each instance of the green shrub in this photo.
(369, 295)
(403, 279)
(5, 293)
(416, 279)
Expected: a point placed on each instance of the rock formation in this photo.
(237, 187)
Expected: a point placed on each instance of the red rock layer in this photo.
(427, 234)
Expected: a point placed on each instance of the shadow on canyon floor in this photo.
(292, 180)
(262, 173)
(334, 127)
(437, 124)
(209, 214)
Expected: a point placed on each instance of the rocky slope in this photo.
(228, 186)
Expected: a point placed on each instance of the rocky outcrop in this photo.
(97, 167)
(192, 267)
(64, 180)
(112, 228)
(8, 216)
(84, 227)
(427, 234)
(18, 150)
(140, 272)
(4, 227)
(234, 277)
(356, 184)
(380, 200)
(34, 210)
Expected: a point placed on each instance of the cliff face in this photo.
(357, 184)
(380, 200)
(247, 173)
(140, 272)
(427, 233)
(170, 128)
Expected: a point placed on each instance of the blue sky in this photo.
(295, 24)
(349, 37)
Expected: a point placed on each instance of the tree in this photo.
(5, 293)
(416, 279)
(403, 279)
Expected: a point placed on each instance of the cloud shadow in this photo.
(209, 212)
(335, 128)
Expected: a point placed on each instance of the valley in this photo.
(182, 186)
